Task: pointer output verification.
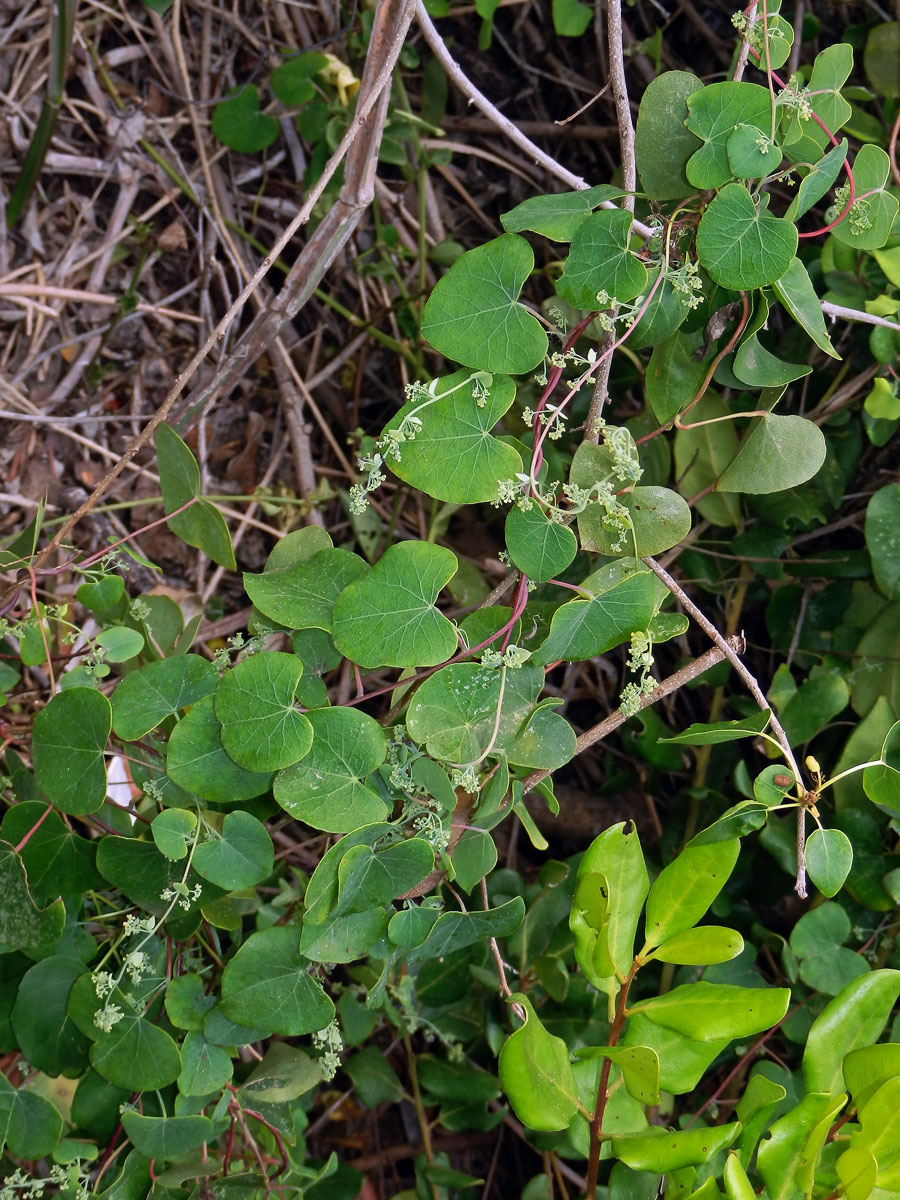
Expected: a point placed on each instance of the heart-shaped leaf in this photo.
(539, 547)
(742, 247)
(261, 728)
(558, 216)
(867, 225)
(454, 457)
(267, 984)
(240, 857)
(159, 690)
(715, 112)
(196, 760)
(292, 81)
(327, 788)
(778, 453)
(600, 260)
(584, 628)
(473, 315)
(660, 519)
(388, 618)
(239, 123)
(302, 595)
(662, 143)
(70, 735)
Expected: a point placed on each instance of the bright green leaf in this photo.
(536, 1074)
(740, 245)
(261, 728)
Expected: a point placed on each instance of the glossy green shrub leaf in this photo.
(240, 124)
(70, 735)
(722, 731)
(165, 1138)
(267, 984)
(737, 821)
(787, 1157)
(536, 1074)
(170, 831)
(778, 453)
(740, 245)
(201, 525)
(24, 925)
(301, 595)
(540, 548)
(612, 886)
(829, 857)
(737, 1183)
(47, 1037)
(261, 728)
(709, 1011)
(453, 457)
(134, 1054)
(795, 291)
(30, 1126)
(683, 1061)
(158, 690)
(583, 628)
(388, 618)
(639, 1066)
(854, 1018)
(857, 1171)
(663, 1151)
(292, 81)
(196, 760)
(327, 788)
(704, 946)
(715, 111)
(868, 223)
(241, 857)
(866, 1069)
(600, 260)
(473, 315)
(662, 143)
(882, 525)
(557, 217)
(684, 890)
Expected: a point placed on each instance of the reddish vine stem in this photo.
(596, 1123)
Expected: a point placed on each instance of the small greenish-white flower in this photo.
(103, 983)
(465, 779)
(136, 964)
(108, 1016)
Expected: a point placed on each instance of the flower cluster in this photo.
(331, 1043)
(181, 894)
(512, 657)
(640, 658)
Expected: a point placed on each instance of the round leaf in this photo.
(473, 315)
(301, 595)
(662, 143)
(327, 788)
(196, 760)
(660, 519)
(267, 985)
(120, 643)
(829, 857)
(882, 525)
(240, 125)
(261, 728)
(171, 829)
(778, 453)
(241, 857)
(600, 260)
(70, 735)
(743, 247)
(540, 548)
(146, 697)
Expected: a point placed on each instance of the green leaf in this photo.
(374, 1078)
(829, 857)
(639, 1066)
(204, 1068)
(612, 886)
(454, 458)
(704, 946)
(187, 1003)
(663, 1151)
(570, 17)
(327, 788)
(584, 628)
(702, 454)
(557, 217)
(47, 1037)
(284, 1074)
(196, 760)
(857, 1171)
(795, 291)
(709, 1011)
(880, 58)
(883, 539)
(684, 890)
(474, 857)
(536, 1074)
(778, 453)
(473, 315)
(134, 1054)
(453, 931)
(24, 926)
(147, 696)
(867, 225)
(682, 1061)
(743, 247)
(171, 829)
(662, 143)
(267, 984)
(660, 519)
(368, 879)
(699, 734)
(757, 367)
(878, 651)
(30, 1126)
(166, 1138)
(261, 728)
(292, 81)
(675, 372)
(388, 618)
(816, 183)
(120, 643)
(715, 111)
(787, 1158)
(540, 548)
(240, 125)
(55, 859)
(70, 735)
(737, 1183)
(600, 260)
(751, 155)
(301, 595)
(242, 857)
(201, 525)
(854, 1018)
